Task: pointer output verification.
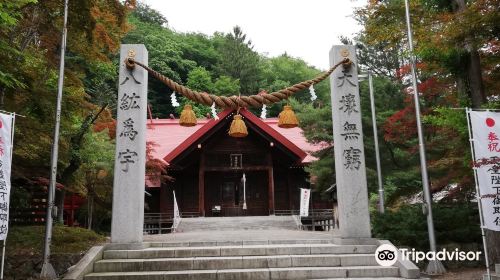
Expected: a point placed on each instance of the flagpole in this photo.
(381, 208)
(48, 271)
(434, 266)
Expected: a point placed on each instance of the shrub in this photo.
(407, 225)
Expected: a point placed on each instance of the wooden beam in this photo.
(289, 188)
(201, 186)
(246, 168)
(271, 184)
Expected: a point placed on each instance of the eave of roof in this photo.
(195, 136)
(274, 134)
(192, 139)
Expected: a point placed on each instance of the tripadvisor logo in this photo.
(387, 255)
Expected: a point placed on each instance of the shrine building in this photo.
(208, 166)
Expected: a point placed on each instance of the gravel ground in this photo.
(461, 274)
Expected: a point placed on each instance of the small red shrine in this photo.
(208, 165)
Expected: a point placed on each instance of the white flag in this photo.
(486, 142)
(5, 165)
(177, 215)
(176, 208)
(304, 202)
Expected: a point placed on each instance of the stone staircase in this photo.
(240, 260)
(211, 224)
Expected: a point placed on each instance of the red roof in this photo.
(172, 139)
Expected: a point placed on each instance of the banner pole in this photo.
(478, 195)
(3, 258)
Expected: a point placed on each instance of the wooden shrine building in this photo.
(208, 165)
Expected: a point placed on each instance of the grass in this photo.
(65, 240)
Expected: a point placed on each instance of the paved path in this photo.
(238, 228)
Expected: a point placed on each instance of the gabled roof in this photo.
(274, 134)
(171, 139)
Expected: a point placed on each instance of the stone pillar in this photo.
(129, 177)
(350, 172)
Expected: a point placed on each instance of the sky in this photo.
(304, 29)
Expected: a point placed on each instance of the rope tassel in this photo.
(238, 128)
(188, 117)
(287, 118)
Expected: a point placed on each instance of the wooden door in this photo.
(231, 205)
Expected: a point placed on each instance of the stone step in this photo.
(370, 278)
(240, 243)
(253, 274)
(211, 224)
(245, 250)
(239, 262)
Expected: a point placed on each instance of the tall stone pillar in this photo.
(128, 186)
(350, 172)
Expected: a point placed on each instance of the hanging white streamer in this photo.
(174, 100)
(263, 112)
(214, 113)
(313, 93)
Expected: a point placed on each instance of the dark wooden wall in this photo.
(256, 193)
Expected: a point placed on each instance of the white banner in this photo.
(177, 215)
(486, 141)
(305, 194)
(5, 165)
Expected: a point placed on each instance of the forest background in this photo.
(457, 50)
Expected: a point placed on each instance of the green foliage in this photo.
(406, 226)
(146, 14)
(101, 218)
(226, 86)
(199, 79)
(238, 60)
(323, 170)
(316, 122)
(284, 71)
(451, 118)
(166, 55)
(10, 14)
(98, 151)
(29, 239)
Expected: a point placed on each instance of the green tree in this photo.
(456, 47)
(10, 13)
(238, 59)
(224, 85)
(95, 29)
